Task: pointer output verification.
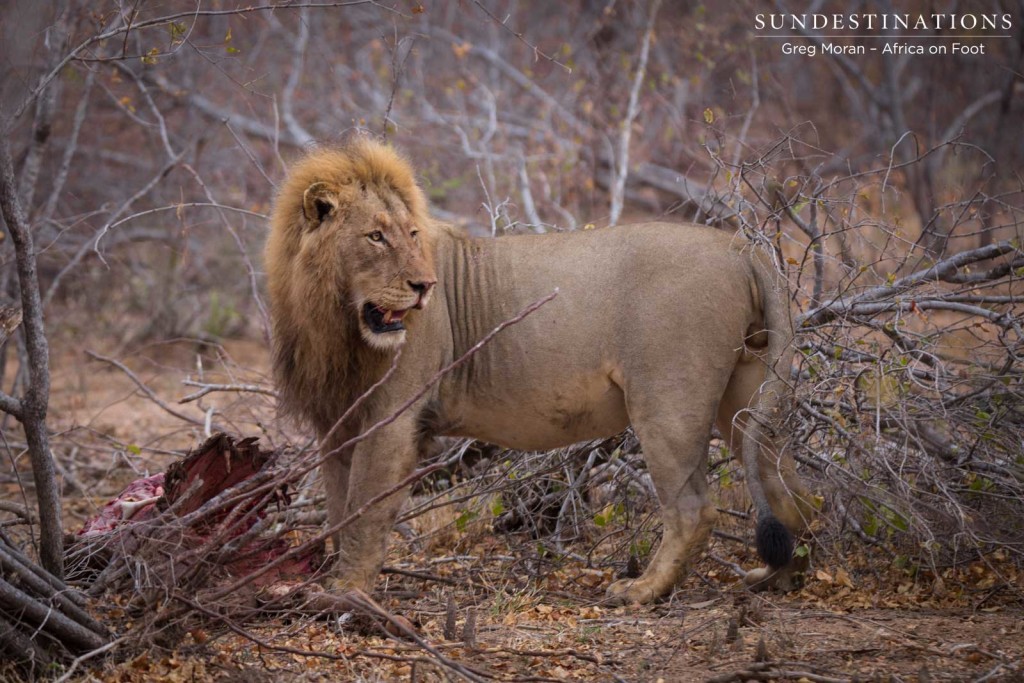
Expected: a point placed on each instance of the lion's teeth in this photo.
(387, 317)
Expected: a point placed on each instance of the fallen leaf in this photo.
(843, 578)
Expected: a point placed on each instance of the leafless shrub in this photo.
(910, 369)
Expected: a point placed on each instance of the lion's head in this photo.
(348, 262)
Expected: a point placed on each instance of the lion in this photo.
(670, 328)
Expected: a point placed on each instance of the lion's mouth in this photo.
(381, 320)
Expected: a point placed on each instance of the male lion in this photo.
(668, 328)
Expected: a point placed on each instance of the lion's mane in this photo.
(318, 362)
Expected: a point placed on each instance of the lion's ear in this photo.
(318, 201)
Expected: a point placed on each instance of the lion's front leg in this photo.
(334, 471)
(378, 464)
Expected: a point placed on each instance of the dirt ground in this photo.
(704, 632)
(860, 616)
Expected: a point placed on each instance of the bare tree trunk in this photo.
(31, 408)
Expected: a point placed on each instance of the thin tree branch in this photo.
(150, 394)
(45, 80)
(234, 388)
(944, 270)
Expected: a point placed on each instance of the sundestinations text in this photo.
(884, 22)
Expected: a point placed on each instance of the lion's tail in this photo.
(774, 541)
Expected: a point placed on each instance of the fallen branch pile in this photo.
(42, 620)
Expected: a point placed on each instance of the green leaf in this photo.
(178, 31)
(641, 548)
(898, 521)
(802, 550)
(133, 449)
(464, 519)
(227, 44)
(981, 484)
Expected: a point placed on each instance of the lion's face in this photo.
(387, 269)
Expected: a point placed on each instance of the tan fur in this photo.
(670, 328)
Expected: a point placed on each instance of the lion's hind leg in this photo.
(675, 448)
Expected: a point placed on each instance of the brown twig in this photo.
(150, 394)
(537, 52)
(231, 388)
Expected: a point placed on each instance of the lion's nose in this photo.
(422, 287)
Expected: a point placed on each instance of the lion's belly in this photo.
(587, 408)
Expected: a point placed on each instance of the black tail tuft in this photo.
(774, 542)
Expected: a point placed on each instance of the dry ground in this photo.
(861, 616)
(528, 631)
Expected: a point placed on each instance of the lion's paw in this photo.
(631, 592)
(342, 584)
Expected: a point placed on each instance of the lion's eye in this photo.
(415, 234)
(376, 236)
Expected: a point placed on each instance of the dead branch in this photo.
(42, 586)
(537, 52)
(144, 388)
(205, 388)
(946, 270)
(684, 189)
(40, 621)
(125, 28)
